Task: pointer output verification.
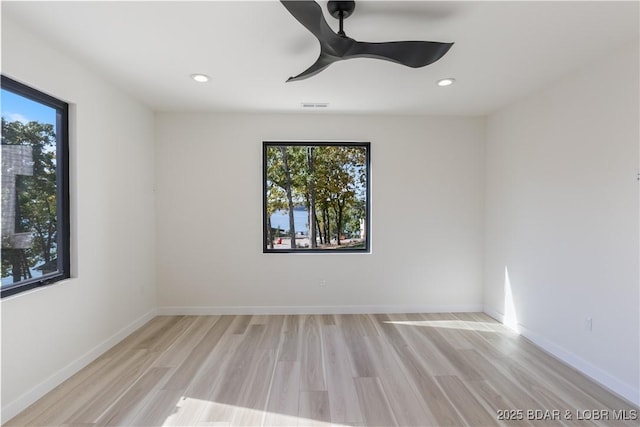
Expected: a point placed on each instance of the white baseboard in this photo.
(331, 309)
(613, 384)
(13, 408)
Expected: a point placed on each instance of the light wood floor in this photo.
(413, 370)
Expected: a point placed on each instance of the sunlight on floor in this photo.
(510, 317)
(198, 412)
(449, 324)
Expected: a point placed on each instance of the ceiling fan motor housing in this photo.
(336, 7)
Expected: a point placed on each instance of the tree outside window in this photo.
(35, 240)
(316, 197)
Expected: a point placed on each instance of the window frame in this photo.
(265, 238)
(62, 188)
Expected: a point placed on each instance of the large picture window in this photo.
(316, 197)
(35, 188)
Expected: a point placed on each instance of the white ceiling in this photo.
(503, 50)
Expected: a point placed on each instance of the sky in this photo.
(21, 109)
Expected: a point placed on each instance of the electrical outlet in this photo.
(323, 283)
(588, 324)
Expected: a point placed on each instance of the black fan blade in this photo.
(413, 54)
(321, 63)
(332, 46)
(309, 14)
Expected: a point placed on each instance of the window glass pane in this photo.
(316, 197)
(31, 197)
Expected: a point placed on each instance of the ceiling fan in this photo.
(338, 46)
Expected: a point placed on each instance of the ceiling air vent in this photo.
(314, 104)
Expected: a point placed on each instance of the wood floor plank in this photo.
(195, 402)
(161, 405)
(196, 405)
(404, 398)
(518, 397)
(228, 389)
(345, 407)
(441, 408)
(90, 390)
(149, 332)
(242, 322)
(130, 403)
(312, 373)
(546, 395)
(211, 373)
(355, 342)
(413, 337)
(187, 370)
(443, 369)
(575, 396)
(284, 396)
(59, 394)
(328, 319)
(255, 393)
(291, 340)
(452, 329)
(516, 391)
(468, 406)
(183, 345)
(495, 402)
(259, 319)
(374, 402)
(273, 333)
(537, 359)
(161, 337)
(113, 389)
(314, 409)
(491, 348)
(368, 325)
(464, 370)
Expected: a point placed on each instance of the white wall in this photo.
(49, 333)
(562, 216)
(427, 216)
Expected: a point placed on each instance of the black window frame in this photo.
(265, 239)
(62, 188)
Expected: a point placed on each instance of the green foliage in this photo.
(36, 194)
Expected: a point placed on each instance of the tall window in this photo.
(316, 197)
(35, 188)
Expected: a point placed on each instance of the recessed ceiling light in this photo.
(200, 78)
(446, 82)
